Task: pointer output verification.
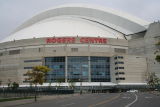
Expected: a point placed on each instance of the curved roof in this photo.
(108, 22)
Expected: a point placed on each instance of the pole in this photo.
(35, 97)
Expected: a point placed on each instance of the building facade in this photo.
(144, 44)
(83, 44)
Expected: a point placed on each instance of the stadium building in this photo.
(90, 45)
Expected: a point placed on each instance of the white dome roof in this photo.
(73, 20)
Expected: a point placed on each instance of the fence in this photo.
(28, 92)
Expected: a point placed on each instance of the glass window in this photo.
(119, 63)
(120, 67)
(28, 67)
(115, 57)
(57, 65)
(13, 52)
(74, 49)
(78, 68)
(36, 60)
(100, 69)
(118, 50)
(121, 78)
(120, 57)
(119, 73)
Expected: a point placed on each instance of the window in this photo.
(36, 60)
(121, 78)
(78, 68)
(118, 50)
(13, 52)
(119, 63)
(120, 67)
(39, 49)
(57, 66)
(116, 68)
(74, 49)
(54, 50)
(119, 73)
(28, 67)
(25, 75)
(120, 57)
(100, 69)
(1, 54)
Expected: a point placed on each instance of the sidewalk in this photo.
(27, 101)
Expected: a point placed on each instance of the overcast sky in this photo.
(15, 12)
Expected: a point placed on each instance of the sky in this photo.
(14, 12)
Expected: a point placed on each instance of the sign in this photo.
(91, 40)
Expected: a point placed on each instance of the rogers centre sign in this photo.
(76, 40)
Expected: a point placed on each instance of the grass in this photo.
(13, 99)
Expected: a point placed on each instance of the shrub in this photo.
(157, 58)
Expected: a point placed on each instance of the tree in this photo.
(153, 80)
(0, 82)
(157, 51)
(9, 83)
(71, 83)
(15, 85)
(157, 58)
(37, 76)
(59, 81)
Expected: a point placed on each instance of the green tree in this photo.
(157, 58)
(59, 81)
(157, 51)
(0, 82)
(153, 80)
(15, 85)
(37, 76)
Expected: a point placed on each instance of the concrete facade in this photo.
(12, 66)
(145, 44)
(82, 31)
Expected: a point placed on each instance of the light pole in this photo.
(80, 79)
(101, 87)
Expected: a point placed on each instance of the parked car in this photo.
(132, 91)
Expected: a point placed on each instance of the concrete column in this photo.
(89, 69)
(66, 68)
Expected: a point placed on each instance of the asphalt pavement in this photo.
(127, 99)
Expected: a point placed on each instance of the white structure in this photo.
(83, 20)
(80, 42)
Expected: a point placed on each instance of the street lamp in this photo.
(80, 86)
(80, 79)
(100, 86)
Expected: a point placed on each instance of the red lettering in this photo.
(91, 40)
(51, 40)
(48, 40)
(104, 40)
(72, 40)
(82, 40)
(100, 40)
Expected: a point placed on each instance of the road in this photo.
(102, 100)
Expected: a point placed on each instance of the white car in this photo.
(132, 91)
